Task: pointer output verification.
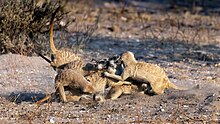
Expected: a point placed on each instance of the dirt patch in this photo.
(25, 80)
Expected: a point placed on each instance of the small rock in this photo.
(52, 120)
(185, 106)
(124, 18)
(217, 65)
(209, 78)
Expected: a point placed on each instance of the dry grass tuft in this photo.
(23, 22)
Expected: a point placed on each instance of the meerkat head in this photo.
(98, 97)
(113, 63)
(108, 63)
(100, 64)
(128, 57)
(89, 89)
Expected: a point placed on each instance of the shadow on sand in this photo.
(25, 97)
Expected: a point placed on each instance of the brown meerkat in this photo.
(97, 79)
(117, 91)
(74, 80)
(144, 72)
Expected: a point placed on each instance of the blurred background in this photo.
(25, 23)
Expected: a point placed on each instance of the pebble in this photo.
(124, 18)
(185, 106)
(209, 78)
(162, 110)
(52, 120)
(217, 65)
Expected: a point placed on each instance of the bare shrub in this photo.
(23, 24)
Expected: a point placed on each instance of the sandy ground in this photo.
(24, 80)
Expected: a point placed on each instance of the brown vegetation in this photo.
(22, 23)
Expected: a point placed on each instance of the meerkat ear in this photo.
(95, 61)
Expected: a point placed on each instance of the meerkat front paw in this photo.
(125, 82)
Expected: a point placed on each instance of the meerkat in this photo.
(144, 72)
(97, 79)
(132, 87)
(75, 94)
(62, 56)
(72, 76)
(117, 91)
(73, 79)
(100, 83)
(92, 73)
(79, 65)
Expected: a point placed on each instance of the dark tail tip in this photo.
(54, 14)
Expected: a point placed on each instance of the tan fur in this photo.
(97, 79)
(95, 76)
(117, 91)
(63, 56)
(144, 72)
(72, 75)
(79, 65)
(99, 82)
(73, 79)
(76, 95)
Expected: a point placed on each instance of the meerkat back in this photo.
(63, 56)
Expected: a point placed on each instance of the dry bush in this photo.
(24, 25)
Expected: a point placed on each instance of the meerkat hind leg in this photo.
(72, 98)
(114, 93)
(62, 93)
(158, 86)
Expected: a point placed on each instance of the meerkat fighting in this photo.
(73, 79)
(144, 72)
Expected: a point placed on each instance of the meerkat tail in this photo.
(46, 98)
(42, 56)
(172, 85)
(52, 46)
